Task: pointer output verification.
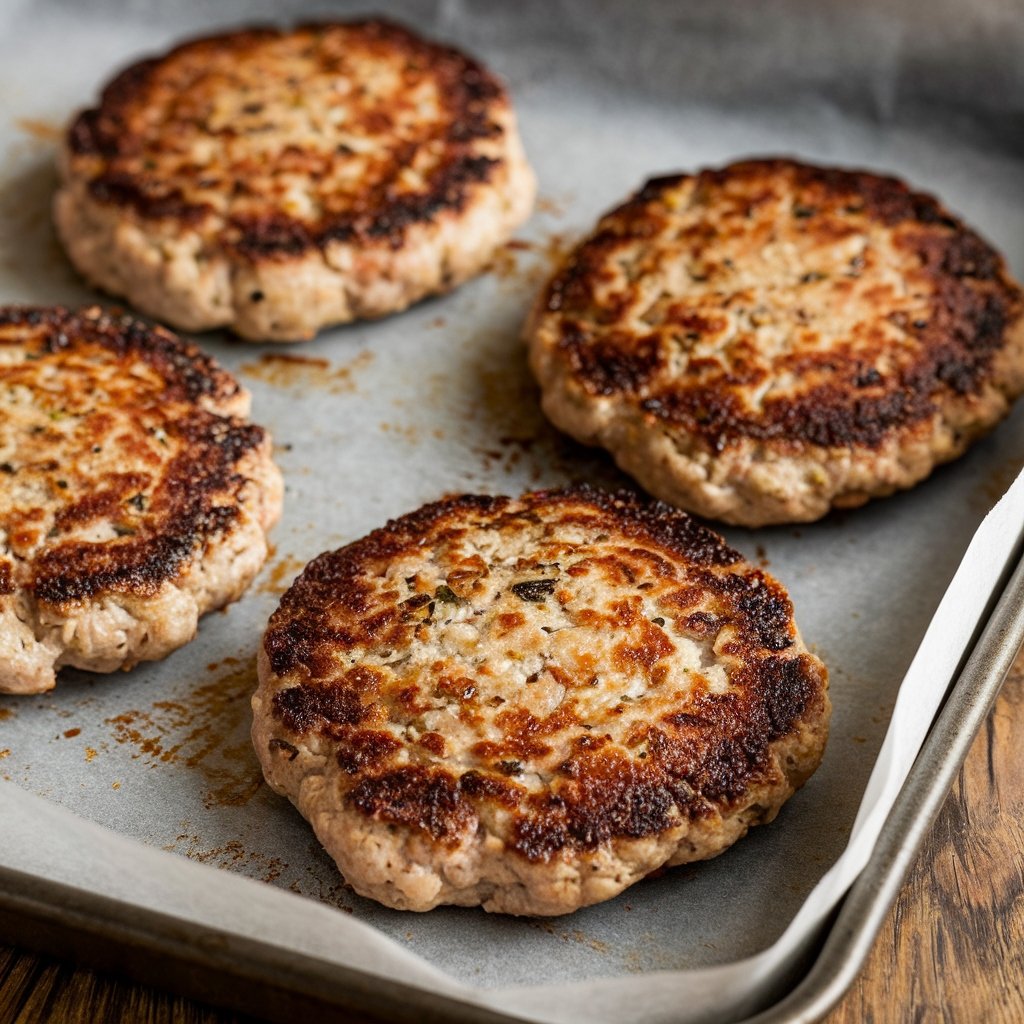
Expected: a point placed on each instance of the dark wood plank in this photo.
(40, 990)
(952, 950)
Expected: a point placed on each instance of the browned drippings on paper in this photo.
(37, 128)
(505, 263)
(405, 431)
(5, 713)
(998, 481)
(208, 730)
(576, 935)
(332, 889)
(301, 372)
(550, 206)
(556, 249)
(280, 575)
(231, 855)
(541, 260)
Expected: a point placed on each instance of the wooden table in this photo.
(952, 949)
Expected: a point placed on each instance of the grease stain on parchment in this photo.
(40, 129)
(552, 207)
(206, 730)
(279, 574)
(997, 481)
(335, 894)
(231, 855)
(498, 400)
(295, 372)
(574, 935)
(521, 264)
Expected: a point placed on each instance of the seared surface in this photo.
(123, 464)
(530, 704)
(268, 146)
(830, 327)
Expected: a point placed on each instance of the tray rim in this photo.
(852, 933)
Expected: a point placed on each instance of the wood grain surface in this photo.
(951, 951)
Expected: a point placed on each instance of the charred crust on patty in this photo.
(186, 370)
(343, 577)
(710, 753)
(972, 303)
(182, 511)
(363, 663)
(279, 236)
(771, 310)
(184, 518)
(278, 181)
(134, 497)
(427, 799)
(469, 93)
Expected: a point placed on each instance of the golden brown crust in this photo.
(133, 496)
(400, 654)
(107, 429)
(885, 369)
(178, 137)
(774, 311)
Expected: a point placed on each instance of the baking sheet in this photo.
(389, 415)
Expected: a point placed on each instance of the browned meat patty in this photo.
(766, 341)
(134, 497)
(277, 181)
(531, 704)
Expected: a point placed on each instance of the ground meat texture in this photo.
(276, 181)
(529, 704)
(134, 495)
(764, 342)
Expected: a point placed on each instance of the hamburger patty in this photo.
(276, 181)
(134, 497)
(531, 704)
(763, 342)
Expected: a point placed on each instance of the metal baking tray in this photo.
(372, 420)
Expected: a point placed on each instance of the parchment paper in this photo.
(439, 399)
